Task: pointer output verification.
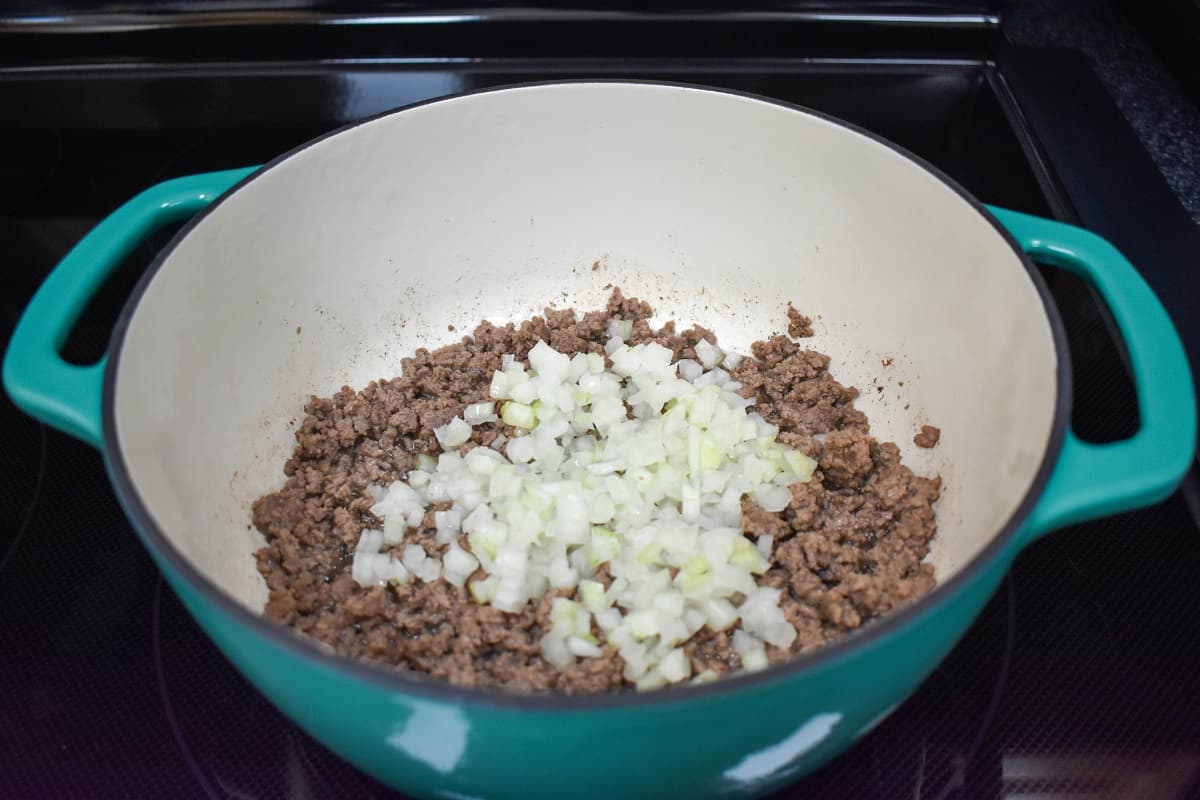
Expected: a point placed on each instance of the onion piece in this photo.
(479, 413)
(453, 433)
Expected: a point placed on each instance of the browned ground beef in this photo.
(928, 437)
(846, 550)
(799, 326)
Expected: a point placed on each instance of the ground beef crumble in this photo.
(799, 326)
(847, 549)
(928, 436)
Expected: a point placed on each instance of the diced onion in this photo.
(479, 413)
(639, 470)
(709, 354)
(453, 433)
(621, 329)
(578, 646)
(755, 660)
(675, 666)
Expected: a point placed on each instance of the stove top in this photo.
(1079, 679)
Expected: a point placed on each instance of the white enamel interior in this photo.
(716, 208)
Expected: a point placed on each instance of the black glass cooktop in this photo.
(1079, 680)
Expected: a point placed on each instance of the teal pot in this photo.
(329, 264)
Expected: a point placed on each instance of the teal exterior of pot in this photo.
(741, 740)
(740, 737)
(735, 742)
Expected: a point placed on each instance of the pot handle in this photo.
(1095, 480)
(40, 383)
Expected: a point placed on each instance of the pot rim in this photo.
(428, 687)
